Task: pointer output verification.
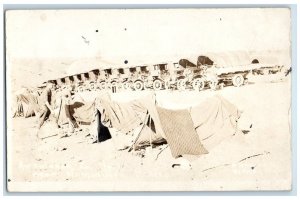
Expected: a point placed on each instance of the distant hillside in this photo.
(31, 73)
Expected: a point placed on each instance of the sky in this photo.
(49, 44)
(137, 35)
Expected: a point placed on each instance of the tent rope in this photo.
(161, 152)
(227, 164)
(137, 137)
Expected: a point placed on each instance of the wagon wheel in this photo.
(222, 85)
(126, 85)
(167, 85)
(92, 86)
(102, 85)
(181, 84)
(114, 84)
(97, 86)
(108, 86)
(80, 89)
(266, 71)
(138, 85)
(120, 86)
(157, 84)
(213, 85)
(238, 80)
(198, 84)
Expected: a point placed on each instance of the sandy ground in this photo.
(258, 160)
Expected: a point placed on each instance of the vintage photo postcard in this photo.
(148, 100)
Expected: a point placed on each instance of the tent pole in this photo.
(137, 137)
(150, 133)
(58, 112)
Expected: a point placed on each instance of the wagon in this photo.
(117, 79)
(136, 77)
(102, 79)
(236, 76)
(158, 76)
(192, 78)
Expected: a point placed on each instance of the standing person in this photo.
(45, 107)
(65, 119)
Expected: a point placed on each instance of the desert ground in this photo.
(259, 158)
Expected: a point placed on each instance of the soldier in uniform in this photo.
(65, 119)
(45, 107)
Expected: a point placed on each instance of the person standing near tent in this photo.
(65, 119)
(45, 107)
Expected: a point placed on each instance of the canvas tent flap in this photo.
(147, 137)
(28, 102)
(124, 116)
(66, 112)
(120, 115)
(214, 120)
(139, 109)
(99, 132)
(85, 112)
(28, 110)
(180, 133)
(17, 109)
(149, 103)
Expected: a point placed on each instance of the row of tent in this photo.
(24, 103)
(194, 130)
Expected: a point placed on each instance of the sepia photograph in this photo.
(193, 99)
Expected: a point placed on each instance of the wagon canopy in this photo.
(186, 63)
(227, 59)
